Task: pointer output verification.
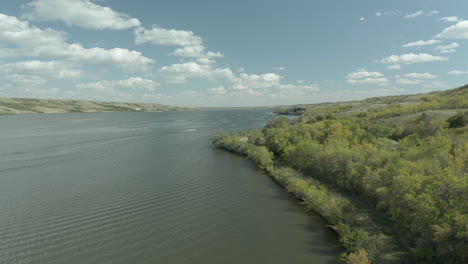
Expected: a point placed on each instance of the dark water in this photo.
(135, 188)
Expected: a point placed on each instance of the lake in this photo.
(145, 188)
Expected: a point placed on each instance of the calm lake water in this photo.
(136, 188)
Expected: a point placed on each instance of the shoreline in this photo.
(360, 236)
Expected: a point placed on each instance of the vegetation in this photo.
(409, 161)
(29, 106)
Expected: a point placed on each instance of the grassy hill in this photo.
(32, 106)
(394, 111)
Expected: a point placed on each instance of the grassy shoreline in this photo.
(363, 239)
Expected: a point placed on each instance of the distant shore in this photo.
(12, 106)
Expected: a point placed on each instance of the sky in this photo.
(231, 53)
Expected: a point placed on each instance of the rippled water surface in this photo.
(145, 188)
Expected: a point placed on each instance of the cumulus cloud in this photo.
(387, 13)
(408, 81)
(459, 30)
(191, 44)
(362, 73)
(162, 36)
(458, 72)
(44, 69)
(180, 73)
(81, 13)
(415, 75)
(189, 51)
(217, 90)
(421, 43)
(362, 76)
(25, 85)
(133, 83)
(256, 81)
(29, 40)
(394, 67)
(411, 58)
(299, 88)
(415, 14)
(414, 78)
(450, 19)
(420, 13)
(369, 81)
(450, 48)
(241, 84)
(24, 80)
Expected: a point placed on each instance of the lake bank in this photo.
(362, 237)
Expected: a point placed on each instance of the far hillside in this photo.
(34, 106)
(391, 110)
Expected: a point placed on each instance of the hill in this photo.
(32, 106)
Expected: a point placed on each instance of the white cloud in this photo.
(179, 73)
(388, 13)
(408, 81)
(23, 80)
(368, 81)
(457, 72)
(447, 48)
(81, 13)
(162, 36)
(256, 81)
(191, 44)
(362, 19)
(299, 88)
(32, 41)
(450, 19)
(133, 83)
(45, 69)
(241, 69)
(394, 67)
(459, 30)
(300, 81)
(411, 58)
(420, 13)
(415, 14)
(279, 68)
(189, 51)
(415, 75)
(362, 76)
(217, 90)
(421, 43)
(362, 73)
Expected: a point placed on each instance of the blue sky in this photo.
(231, 53)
